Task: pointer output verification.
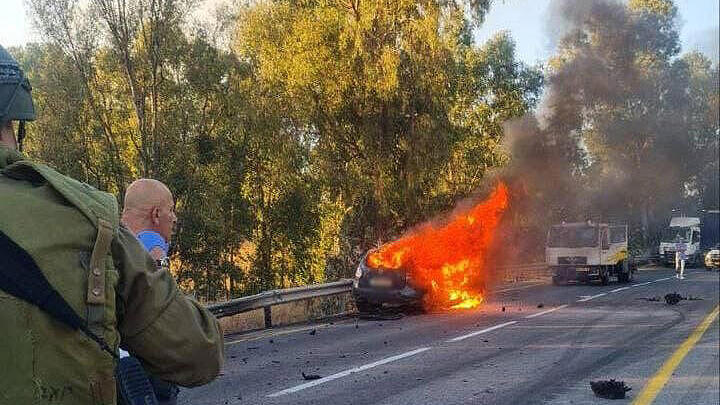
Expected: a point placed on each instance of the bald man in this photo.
(149, 213)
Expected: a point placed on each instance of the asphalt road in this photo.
(545, 347)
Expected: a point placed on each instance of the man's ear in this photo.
(155, 216)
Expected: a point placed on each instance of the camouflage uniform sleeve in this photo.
(177, 338)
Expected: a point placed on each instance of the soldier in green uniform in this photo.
(75, 285)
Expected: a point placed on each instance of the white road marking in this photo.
(480, 332)
(642, 284)
(619, 289)
(663, 279)
(348, 372)
(591, 297)
(546, 312)
(518, 288)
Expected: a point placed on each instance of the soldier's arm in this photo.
(176, 337)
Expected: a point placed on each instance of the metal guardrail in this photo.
(267, 299)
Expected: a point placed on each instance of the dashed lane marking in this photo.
(517, 288)
(546, 312)
(480, 332)
(348, 372)
(592, 297)
(642, 284)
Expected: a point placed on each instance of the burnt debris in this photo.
(609, 389)
(310, 376)
(673, 298)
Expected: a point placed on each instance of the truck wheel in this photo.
(624, 272)
(604, 277)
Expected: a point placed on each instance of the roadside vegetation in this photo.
(298, 134)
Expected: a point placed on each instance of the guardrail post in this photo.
(268, 317)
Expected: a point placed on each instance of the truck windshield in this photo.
(573, 236)
(675, 234)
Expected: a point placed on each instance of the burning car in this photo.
(375, 288)
(441, 264)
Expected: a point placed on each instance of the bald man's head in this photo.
(149, 206)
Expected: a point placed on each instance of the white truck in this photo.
(587, 251)
(683, 233)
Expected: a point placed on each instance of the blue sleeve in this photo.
(151, 240)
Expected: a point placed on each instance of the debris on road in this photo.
(652, 299)
(673, 298)
(313, 332)
(381, 316)
(310, 376)
(503, 309)
(609, 389)
(540, 305)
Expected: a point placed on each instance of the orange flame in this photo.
(448, 261)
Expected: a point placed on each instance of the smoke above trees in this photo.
(626, 131)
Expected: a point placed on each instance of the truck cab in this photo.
(586, 251)
(683, 233)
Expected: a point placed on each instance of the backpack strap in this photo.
(21, 277)
(96, 277)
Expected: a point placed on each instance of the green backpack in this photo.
(45, 261)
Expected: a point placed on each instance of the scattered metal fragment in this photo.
(691, 298)
(673, 298)
(310, 376)
(609, 389)
(653, 299)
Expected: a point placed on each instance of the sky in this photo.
(525, 19)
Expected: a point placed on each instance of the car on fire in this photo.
(377, 288)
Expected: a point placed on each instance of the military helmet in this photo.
(15, 100)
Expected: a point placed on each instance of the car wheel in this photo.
(366, 307)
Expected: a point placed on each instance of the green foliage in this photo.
(326, 128)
